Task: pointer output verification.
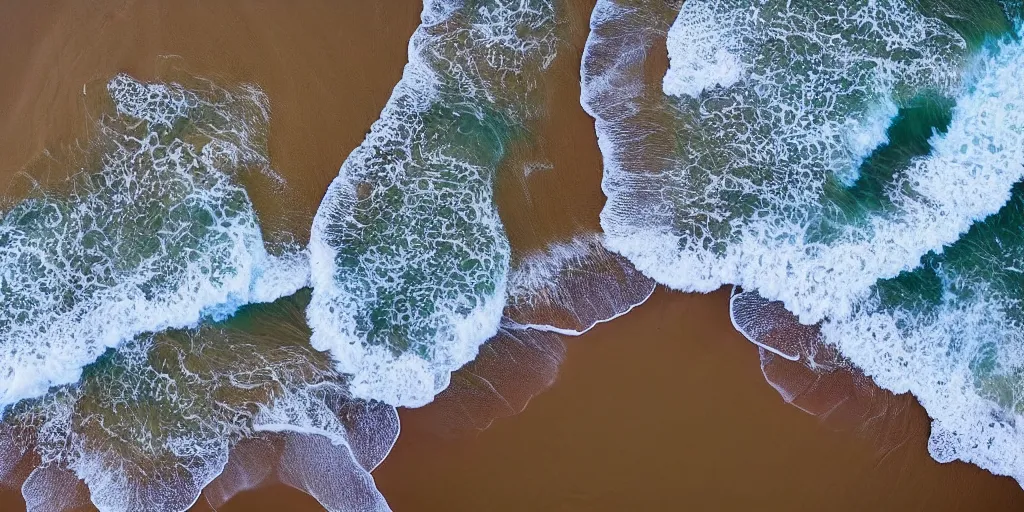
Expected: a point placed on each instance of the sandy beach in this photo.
(665, 408)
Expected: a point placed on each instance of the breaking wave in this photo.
(853, 164)
(146, 341)
(409, 257)
(153, 423)
(153, 233)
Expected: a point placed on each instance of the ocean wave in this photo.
(836, 169)
(565, 289)
(153, 233)
(950, 333)
(145, 334)
(155, 422)
(409, 257)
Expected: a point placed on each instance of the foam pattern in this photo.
(152, 424)
(569, 287)
(409, 257)
(153, 233)
(563, 290)
(821, 159)
(53, 489)
(771, 179)
(950, 333)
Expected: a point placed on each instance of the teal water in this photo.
(858, 163)
(151, 424)
(151, 231)
(409, 257)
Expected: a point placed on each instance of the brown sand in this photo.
(663, 409)
(327, 66)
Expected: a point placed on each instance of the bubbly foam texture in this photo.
(950, 333)
(409, 257)
(934, 356)
(713, 47)
(799, 232)
(565, 289)
(155, 422)
(747, 184)
(53, 489)
(157, 236)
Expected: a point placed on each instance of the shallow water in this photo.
(814, 156)
(652, 436)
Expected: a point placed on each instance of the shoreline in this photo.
(664, 407)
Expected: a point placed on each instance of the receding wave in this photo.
(153, 423)
(409, 257)
(814, 377)
(564, 289)
(153, 233)
(143, 328)
(569, 287)
(845, 163)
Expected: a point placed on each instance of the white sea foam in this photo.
(156, 238)
(741, 198)
(154, 423)
(934, 357)
(408, 254)
(712, 48)
(936, 354)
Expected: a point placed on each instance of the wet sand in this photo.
(328, 68)
(663, 409)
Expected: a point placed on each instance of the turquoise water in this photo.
(149, 425)
(858, 162)
(152, 233)
(409, 257)
(160, 345)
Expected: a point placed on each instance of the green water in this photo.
(164, 409)
(418, 247)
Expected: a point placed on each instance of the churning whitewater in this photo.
(845, 160)
(158, 348)
(158, 234)
(409, 257)
(154, 249)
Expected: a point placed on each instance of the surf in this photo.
(154, 233)
(867, 189)
(409, 258)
